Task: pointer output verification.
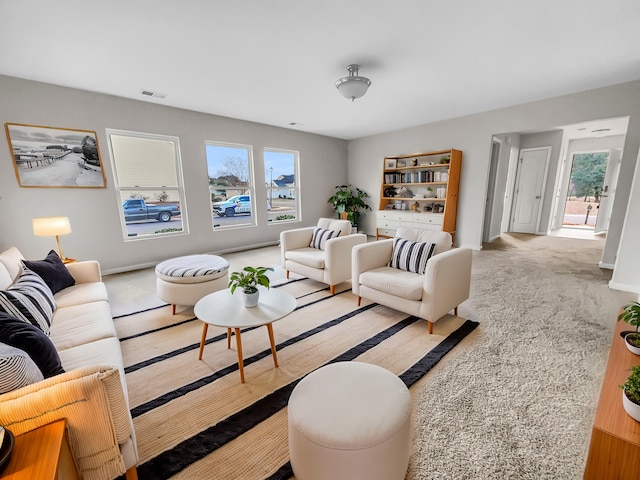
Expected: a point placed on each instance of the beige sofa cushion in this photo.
(81, 293)
(80, 324)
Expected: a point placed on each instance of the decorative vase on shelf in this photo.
(633, 409)
(630, 339)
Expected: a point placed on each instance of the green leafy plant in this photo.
(249, 278)
(350, 200)
(632, 386)
(630, 313)
(285, 217)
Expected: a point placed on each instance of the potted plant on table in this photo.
(248, 279)
(349, 202)
(630, 313)
(631, 393)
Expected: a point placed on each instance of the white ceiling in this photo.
(276, 61)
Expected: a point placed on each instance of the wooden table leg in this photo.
(240, 360)
(273, 343)
(205, 327)
(228, 338)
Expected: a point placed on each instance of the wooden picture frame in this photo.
(55, 157)
(390, 163)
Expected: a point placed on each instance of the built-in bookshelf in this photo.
(420, 184)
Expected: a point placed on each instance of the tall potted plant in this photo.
(248, 279)
(630, 313)
(349, 202)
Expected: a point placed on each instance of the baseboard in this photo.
(140, 266)
(608, 266)
(624, 287)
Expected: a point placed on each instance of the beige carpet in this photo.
(519, 404)
(194, 419)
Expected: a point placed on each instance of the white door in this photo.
(530, 182)
(608, 190)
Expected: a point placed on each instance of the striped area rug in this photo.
(194, 419)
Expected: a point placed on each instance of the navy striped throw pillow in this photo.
(30, 300)
(411, 256)
(321, 235)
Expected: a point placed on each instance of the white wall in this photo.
(472, 134)
(94, 212)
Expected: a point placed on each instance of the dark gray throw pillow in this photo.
(52, 271)
(33, 341)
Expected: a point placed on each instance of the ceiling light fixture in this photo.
(353, 86)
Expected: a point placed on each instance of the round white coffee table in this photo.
(223, 309)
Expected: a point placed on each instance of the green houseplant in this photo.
(631, 393)
(248, 279)
(630, 313)
(349, 202)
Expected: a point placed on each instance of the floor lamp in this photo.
(53, 227)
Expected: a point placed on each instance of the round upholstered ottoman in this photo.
(350, 420)
(185, 280)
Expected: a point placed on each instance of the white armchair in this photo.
(331, 265)
(443, 286)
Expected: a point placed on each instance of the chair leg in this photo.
(359, 298)
(455, 311)
(173, 309)
(131, 474)
(287, 274)
(332, 289)
(430, 327)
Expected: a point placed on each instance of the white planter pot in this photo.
(631, 348)
(251, 299)
(631, 408)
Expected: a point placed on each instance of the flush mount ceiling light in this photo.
(353, 86)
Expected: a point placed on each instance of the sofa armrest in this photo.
(447, 281)
(368, 256)
(92, 401)
(85, 272)
(294, 239)
(337, 259)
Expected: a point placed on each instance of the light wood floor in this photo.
(136, 290)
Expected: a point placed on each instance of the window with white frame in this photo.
(148, 180)
(230, 172)
(281, 179)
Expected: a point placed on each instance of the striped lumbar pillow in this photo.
(411, 256)
(321, 235)
(30, 300)
(16, 369)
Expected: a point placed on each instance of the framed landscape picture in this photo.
(55, 157)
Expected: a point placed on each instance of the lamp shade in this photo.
(353, 86)
(51, 226)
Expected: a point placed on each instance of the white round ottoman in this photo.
(185, 280)
(350, 421)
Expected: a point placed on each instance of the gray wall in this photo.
(472, 134)
(94, 212)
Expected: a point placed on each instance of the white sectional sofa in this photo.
(91, 394)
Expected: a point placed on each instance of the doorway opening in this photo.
(585, 190)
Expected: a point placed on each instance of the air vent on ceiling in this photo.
(150, 93)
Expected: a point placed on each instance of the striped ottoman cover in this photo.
(192, 269)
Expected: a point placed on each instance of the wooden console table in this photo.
(614, 452)
(41, 454)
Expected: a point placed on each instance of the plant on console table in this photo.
(349, 203)
(630, 313)
(631, 393)
(248, 279)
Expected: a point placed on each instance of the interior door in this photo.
(530, 183)
(608, 190)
